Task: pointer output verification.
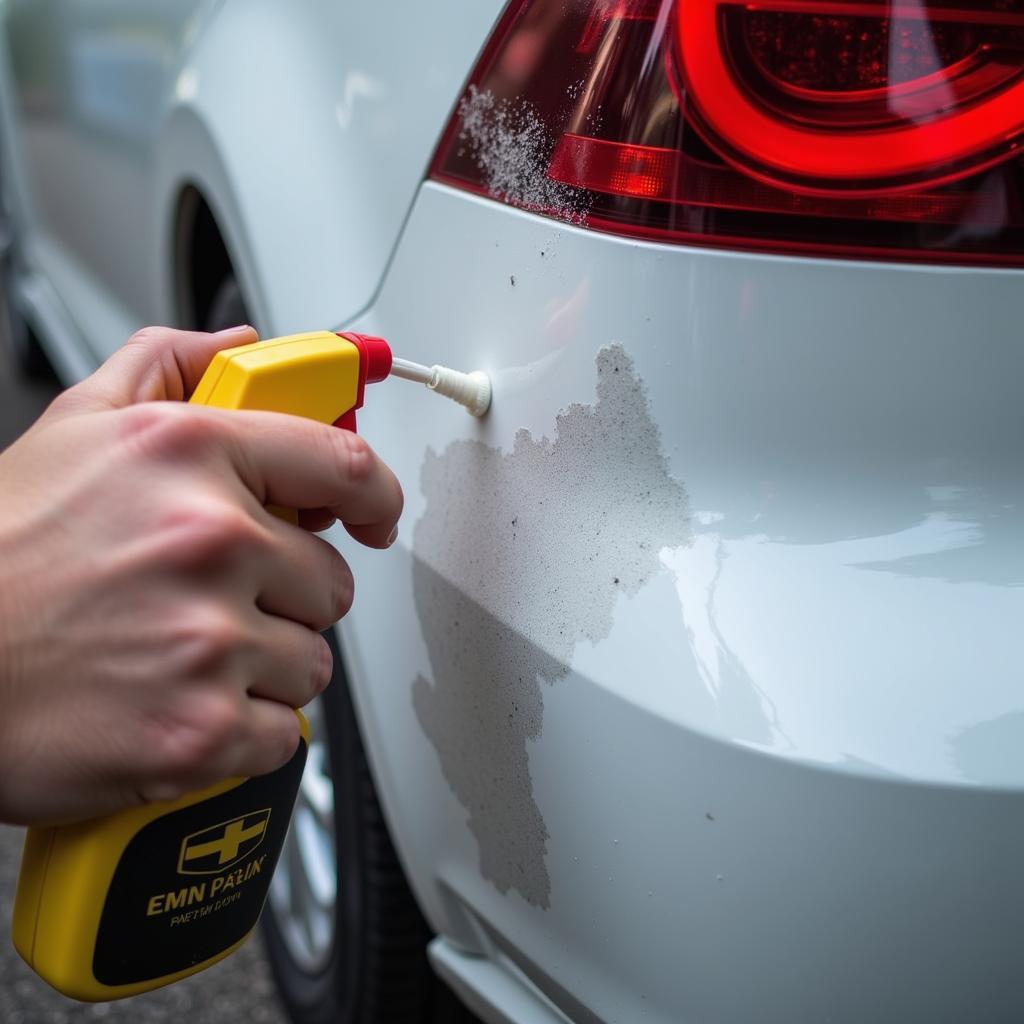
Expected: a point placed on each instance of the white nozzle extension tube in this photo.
(471, 390)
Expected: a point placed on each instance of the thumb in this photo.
(155, 364)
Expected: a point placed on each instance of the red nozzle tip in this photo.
(375, 354)
(378, 358)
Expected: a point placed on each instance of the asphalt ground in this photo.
(237, 990)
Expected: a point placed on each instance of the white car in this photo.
(692, 690)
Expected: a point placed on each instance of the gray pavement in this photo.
(237, 990)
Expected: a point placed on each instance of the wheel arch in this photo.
(309, 207)
(198, 208)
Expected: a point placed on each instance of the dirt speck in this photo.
(502, 610)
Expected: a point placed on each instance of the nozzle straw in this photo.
(411, 371)
(471, 390)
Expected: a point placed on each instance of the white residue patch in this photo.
(512, 147)
(520, 557)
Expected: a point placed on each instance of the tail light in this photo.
(866, 128)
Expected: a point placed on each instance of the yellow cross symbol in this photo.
(229, 844)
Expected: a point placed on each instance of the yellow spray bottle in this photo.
(141, 898)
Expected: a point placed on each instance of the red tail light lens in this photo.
(844, 127)
(859, 97)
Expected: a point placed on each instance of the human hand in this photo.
(157, 624)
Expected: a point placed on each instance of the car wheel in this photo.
(347, 942)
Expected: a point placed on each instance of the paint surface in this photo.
(520, 556)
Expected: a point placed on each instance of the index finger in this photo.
(298, 463)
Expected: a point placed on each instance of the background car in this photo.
(690, 691)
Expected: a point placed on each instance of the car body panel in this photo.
(133, 101)
(769, 788)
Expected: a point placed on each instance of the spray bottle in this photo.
(149, 895)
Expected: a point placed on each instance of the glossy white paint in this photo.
(788, 784)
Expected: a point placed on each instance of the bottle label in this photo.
(192, 883)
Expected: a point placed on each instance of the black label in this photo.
(192, 883)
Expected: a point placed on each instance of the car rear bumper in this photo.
(772, 769)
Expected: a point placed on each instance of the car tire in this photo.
(227, 308)
(369, 964)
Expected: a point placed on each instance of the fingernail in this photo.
(233, 330)
(392, 536)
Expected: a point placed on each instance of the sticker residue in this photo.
(520, 556)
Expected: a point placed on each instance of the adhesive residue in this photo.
(519, 558)
(511, 146)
